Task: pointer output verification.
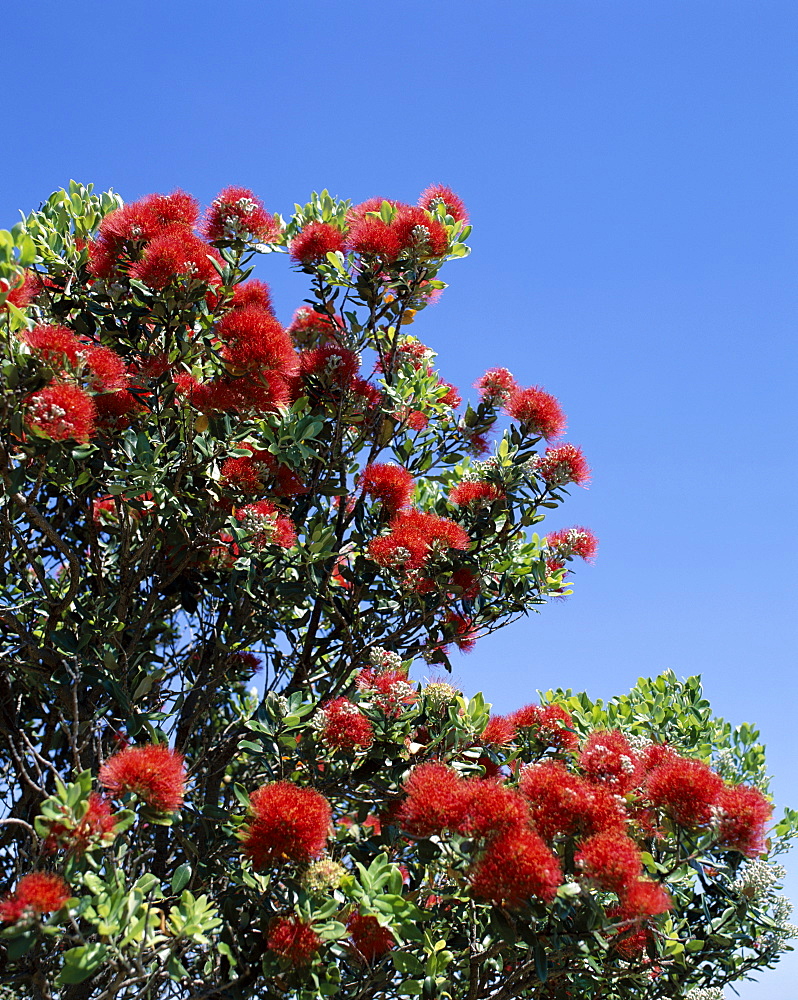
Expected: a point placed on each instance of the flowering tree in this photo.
(194, 494)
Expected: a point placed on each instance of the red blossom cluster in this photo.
(62, 412)
(316, 239)
(236, 214)
(342, 726)
(412, 230)
(513, 863)
(463, 633)
(155, 773)
(369, 938)
(562, 803)
(562, 465)
(438, 195)
(153, 241)
(96, 827)
(292, 938)
(266, 525)
(392, 485)
(550, 725)
(255, 472)
(288, 823)
(496, 386)
(593, 798)
(309, 327)
(21, 293)
(608, 759)
(387, 687)
(415, 538)
(89, 392)
(568, 542)
(537, 411)
(36, 893)
(475, 494)
(328, 371)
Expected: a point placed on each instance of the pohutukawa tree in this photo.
(194, 495)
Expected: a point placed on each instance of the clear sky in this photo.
(630, 171)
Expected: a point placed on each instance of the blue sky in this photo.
(630, 171)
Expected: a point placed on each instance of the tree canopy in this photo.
(196, 495)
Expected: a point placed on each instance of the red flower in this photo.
(56, 344)
(412, 352)
(642, 899)
(236, 214)
(98, 823)
(551, 725)
(562, 803)
(656, 754)
(369, 937)
(477, 444)
(611, 859)
(389, 689)
(608, 759)
(265, 392)
(252, 293)
(452, 397)
(292, 938)
(343, 726)
(439, 194)
(154, 772)
(248, 472)
(416, 420)
(415, 537)
(392, 485)
(253, 338)
(288, 824)
(37, 892)
(467, 581)
(492, 809)
(244, 662)
(742, 814)
(631, 941)
(357, 213)
(496, 386)
(331, 364)
(499, 731)
(372, 237)
(314, 242)
(538, 411)
(310, 327)
(563, 465)
(267, 525)
(686, 789)
(61, 411)
(116, 410)
(573, 541)
(515, 867)
(175, 209)
(124, 232)
(478, 494)
(418, 232)
(173, 255)
(108, 370)
(135, 223)
(465, 635)
(436, 800)
(23, 294)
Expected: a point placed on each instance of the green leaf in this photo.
(181, 877)
(82, 962)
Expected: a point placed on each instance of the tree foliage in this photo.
(193, 495)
